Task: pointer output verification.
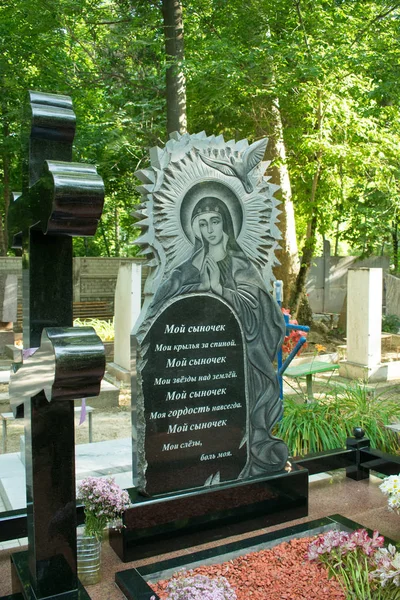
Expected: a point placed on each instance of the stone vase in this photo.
(88, 558)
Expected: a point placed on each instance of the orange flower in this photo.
(320, 348)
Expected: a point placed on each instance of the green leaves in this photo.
(108, 57)
(308, 428)
(333, 67)
(325, 424)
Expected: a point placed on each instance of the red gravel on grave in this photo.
(280, 573)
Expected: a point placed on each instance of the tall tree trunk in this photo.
(7, 190)
(298, 295)
(116, 232)
(337, 237)
(103, 233)
(339, 210)
(395, 243)
(175, 78)
(288, 254)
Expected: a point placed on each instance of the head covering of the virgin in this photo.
(210, 205)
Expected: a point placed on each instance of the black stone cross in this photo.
(60, 199)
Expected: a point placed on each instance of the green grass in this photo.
(311, 427)
(361, 408)
(325, 424)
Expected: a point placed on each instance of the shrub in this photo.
(325, 424)
(360, 407)
(390, 323)
(313, 427)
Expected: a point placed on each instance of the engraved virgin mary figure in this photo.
(219, 266)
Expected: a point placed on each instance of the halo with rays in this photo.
(191, 167)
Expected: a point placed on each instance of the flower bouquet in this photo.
(104, 503)
(364, 569)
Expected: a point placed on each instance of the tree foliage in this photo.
(331, 66)
(109, 57)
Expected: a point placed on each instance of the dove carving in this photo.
(241, 167)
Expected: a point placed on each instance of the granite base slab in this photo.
(133, 582)
(181, 520)
(23, 590)
(118, 373)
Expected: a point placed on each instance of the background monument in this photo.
(127, 302)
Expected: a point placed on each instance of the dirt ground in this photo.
(329, 341)
(108, 424)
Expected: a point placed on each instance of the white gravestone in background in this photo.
(8, 298)
(364, 328)
(127, 309)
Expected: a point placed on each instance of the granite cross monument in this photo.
(60, 199)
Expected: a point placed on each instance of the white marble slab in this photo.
(100, 459)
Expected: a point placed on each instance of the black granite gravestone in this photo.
(210, 221)
(194, 379)
(205, 392)
(60, 199)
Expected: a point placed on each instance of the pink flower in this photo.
(350, 558)
(368, 545)
(104, 503)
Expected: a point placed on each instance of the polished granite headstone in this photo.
(195, 407)
(60, 199)
(204, 387)
(205, 392)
